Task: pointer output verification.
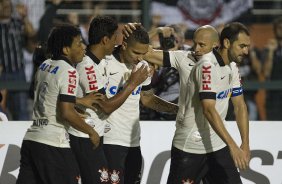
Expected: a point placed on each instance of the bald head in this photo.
(205, 39)
(209, 32)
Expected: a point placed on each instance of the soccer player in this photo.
(92, 78)
(184, 61)
(202, 147)
(46, 156)
(122, 131)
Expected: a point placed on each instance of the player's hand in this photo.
(239, 157)
(128, 29)
(139, 75)
(166, 31)
(95, 138)
(90, 99)
(246, 149)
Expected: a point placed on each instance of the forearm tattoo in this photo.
(158, 104)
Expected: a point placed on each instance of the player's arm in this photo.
(156, 57)
(150, 100)
(136, 78)
(241, 114)
(68, 113)
(88, 100)
(216, 123)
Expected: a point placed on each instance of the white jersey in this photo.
(56, 80)
(122, 126)
(91, 79)
(183, 62)
(209, 79)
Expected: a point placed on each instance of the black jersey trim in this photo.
(102, 91)
(218, 58)
(67, 98)
(92, 56)
(146, 88)
(207, 95)
(166, 59)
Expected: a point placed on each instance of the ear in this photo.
(66, 51)
(215, 44)
(124, 45)
(226, 43)
(105, 40)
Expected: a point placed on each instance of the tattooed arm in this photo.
(150, 100)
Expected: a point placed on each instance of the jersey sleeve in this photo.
(175, 59)
(206, 80)
(237, 89)
(89, 78)
(68, 85)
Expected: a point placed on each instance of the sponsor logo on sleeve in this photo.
(91, 77)
(206, 77)
(72, 82)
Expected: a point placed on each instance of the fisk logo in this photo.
(206, 78)
(114, 90)
(9, 160)
(91, 77)
(224, 94)
(72, 82)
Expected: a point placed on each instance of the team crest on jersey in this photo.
(115, 177)
(104, 175)
(188, 181)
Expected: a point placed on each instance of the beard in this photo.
(232, 57)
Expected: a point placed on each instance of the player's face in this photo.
(135, 52)
(203, 44)
(239, 48)
(112, 41)
(77, 50)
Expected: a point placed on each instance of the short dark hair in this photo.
(139, 35)
(61, 36)
(101, 26)
(231, 32)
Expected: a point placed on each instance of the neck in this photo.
(121, 55)
(224, 54)
(98, 51)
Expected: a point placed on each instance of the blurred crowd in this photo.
(25, 24)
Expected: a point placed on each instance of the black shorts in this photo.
(125, 163)
(44, 164)
(92, 162)
(211, 168)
